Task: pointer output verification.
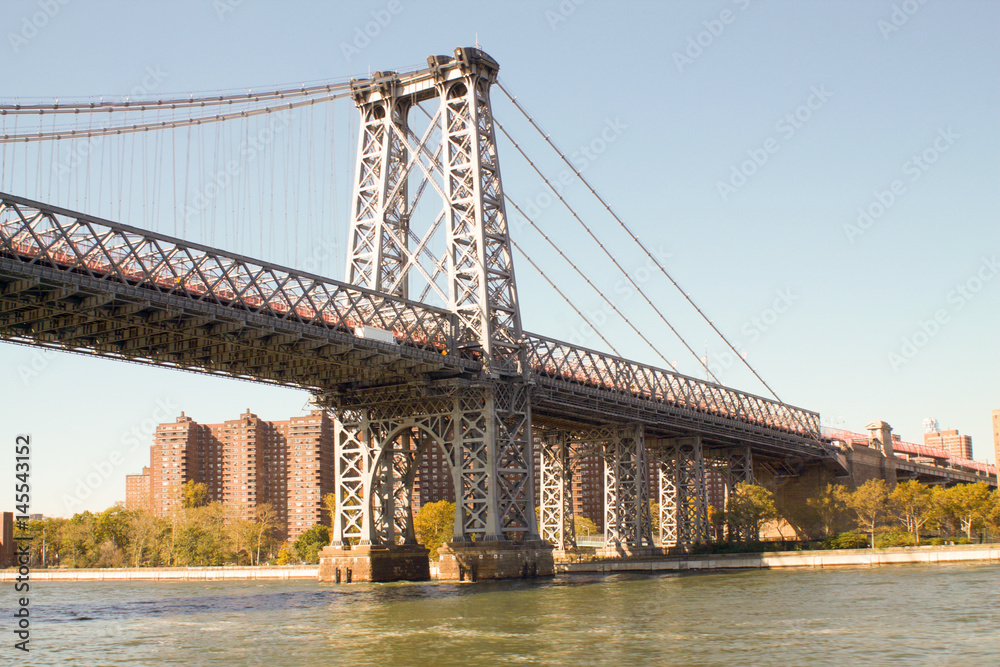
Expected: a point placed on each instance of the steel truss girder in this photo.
(36, 235)
(485, 433)
(683, 518)
(639, 383)
(482, 291)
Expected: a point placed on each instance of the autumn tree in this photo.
(870, 502)
(330, 505)
(830, 505)
(913, 504)
(193, 494)
(970, 504)
(434, 524)
(584, 526)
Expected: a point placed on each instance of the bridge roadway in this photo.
(74, 282)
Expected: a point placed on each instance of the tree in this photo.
(264, 523)
(330, 505)
(750, 507)
(143, 530)
(310, 542)
(193, 494)
(584, 526)
(434, 524)
(970, 504)
(869, 503)
(830, 505)
(913, 504)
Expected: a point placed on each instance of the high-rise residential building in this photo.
(137, 491)
(175, 458)
(308, 441)
(958, 446)
(244, 463)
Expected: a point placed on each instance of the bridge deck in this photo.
(75, 282)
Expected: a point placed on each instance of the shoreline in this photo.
(217, 573)
(966, 553)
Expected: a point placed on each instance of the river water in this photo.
(914, 615)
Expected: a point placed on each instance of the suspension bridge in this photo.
(420, 343)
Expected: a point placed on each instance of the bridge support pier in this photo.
(349, 564)
(627, 524)
(683, 517)
(735, 464)
(557, 521)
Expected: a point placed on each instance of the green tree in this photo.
(870, 502)
(970, 504)
(750, 507)
(434, 524)
(830, 505)
(913, 504)
(309, 544)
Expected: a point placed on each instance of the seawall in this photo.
(776, 559)
(168, 573)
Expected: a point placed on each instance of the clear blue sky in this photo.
(872, 91)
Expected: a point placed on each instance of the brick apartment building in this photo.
(244, 463)
(958, 446)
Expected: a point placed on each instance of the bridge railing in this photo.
(35, 233)
(590, 368)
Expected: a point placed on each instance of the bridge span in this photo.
(400, 374)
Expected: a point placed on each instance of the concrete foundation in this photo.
(624, 551)
(470, 561)
(365, 563)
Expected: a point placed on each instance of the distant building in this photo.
(137, 491)
(7, 540)
(958, 446)
(244, 463)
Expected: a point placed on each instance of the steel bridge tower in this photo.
(481, 421)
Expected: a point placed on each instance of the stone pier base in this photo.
(365, 563)
(472, 561)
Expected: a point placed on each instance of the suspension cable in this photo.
(614, 261)
(170, 103)
(587, 280)
(564, 297)
(165, 124)
(635, 238)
